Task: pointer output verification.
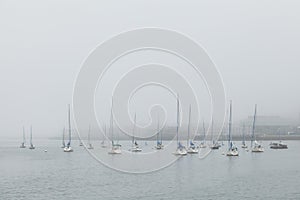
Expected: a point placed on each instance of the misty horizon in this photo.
(256, 58)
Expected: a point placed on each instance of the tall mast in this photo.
(253, 125)
(31, 135)
(111, 122)
(133, 128)
(230, 123)
(189, 126)
(204, 131)
(104, 133)
(244, 129)
(212, 130)
(157, 136)
(177, 130)
(69, 121)
(63, 137)
(89, 139)
(160, 131)
(23, 134)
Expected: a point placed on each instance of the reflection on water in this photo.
(35, 174)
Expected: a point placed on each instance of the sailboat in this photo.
(244, 146)
(203, 143)
(180, 150)
(215, 144)
(63, 139)
(159, 144)
(192, 148)
(135, 147)
(90, 146)
(103, 143)
(257, 148)
(115, 147)
(232, 149)
(31, 145)
(68, 148)
(23, 143)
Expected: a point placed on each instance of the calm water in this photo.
(26, 174)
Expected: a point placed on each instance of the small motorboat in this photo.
(278, 145)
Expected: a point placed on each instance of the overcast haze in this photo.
(255, 45)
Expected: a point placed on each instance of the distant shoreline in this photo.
(199, 138)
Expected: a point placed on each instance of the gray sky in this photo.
(255, 45)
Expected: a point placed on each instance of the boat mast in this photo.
(212, 131)
(133, 130)
(104, 135)
(89, 139)
(157, 136)
(69, 121)
(253, 125)
(244, 129)
(63, 138)
(31, 136)
(177, 128)
(111, 123)
(161, 131)
(204, 131)
(189, 126)
(230, 124)
(23, 135)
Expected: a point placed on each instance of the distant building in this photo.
(270, 125)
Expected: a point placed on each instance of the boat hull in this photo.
(192, 151)
(258, 150)
(159, 147)
(180, 152)
(232, 153)
(115, 152)
(68, 149)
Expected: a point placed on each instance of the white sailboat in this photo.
(115, 147)
(68, 148)
(63, 139)
(203, 143)
(31, 144)
(180, 150)
(23, 143)
(159, 145)
(135, 147)
(232, 149)
(244, 146)
(90, 146)
(215, 144)
(257, 147)
(192, 148)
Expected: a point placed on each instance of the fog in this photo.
(254, 44)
